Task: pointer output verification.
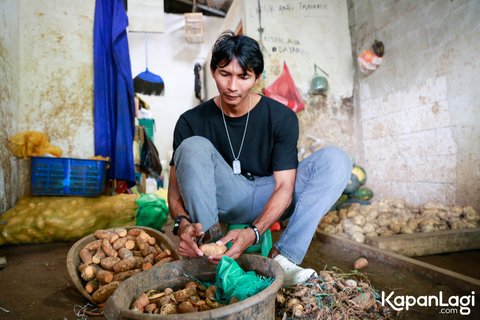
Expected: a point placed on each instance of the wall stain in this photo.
(46, 84)
(347, 105)
(70, 108)
(326, 121)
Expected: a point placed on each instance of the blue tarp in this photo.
(114, 111)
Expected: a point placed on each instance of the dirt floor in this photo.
(35, 284)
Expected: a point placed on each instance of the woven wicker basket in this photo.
(73, 259)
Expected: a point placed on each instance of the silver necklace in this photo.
(237, 168)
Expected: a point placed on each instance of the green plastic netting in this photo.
(233, 281)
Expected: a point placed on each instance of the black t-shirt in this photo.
(270, 141)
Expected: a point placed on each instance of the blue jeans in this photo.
(212, 193)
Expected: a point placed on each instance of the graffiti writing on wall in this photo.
(303, 7)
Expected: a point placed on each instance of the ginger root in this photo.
(109, 259)
(212, 249)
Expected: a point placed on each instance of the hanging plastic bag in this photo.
(284, 91)
(152, 211)
(370, 59)
(149, 159)
(233, 281)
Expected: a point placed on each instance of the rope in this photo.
(146, 51)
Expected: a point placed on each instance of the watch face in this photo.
(176, 225)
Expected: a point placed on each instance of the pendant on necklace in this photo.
(237, 169)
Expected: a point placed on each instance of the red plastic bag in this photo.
(284, 90)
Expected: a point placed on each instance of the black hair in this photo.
(245, 49)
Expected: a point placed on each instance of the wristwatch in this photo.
(176, 224)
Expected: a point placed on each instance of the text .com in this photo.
(399, 303)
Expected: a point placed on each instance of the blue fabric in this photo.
(114, 110)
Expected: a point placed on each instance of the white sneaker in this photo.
(293, 273)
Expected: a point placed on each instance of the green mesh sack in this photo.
(233, 281)
(152, 211)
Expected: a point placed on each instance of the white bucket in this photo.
(150, 185)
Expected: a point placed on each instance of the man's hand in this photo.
(241, 239)
(188, 233)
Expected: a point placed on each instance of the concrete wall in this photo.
(172, 58)
(47, 83)
(412, 123)
(46, 52)
(9, 98)
(302, 33)
(56, 72)
(419, 112)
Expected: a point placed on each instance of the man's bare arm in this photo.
(175, 201)
(187, 231)
(279, 200)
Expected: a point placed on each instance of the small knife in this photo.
(211, 235)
